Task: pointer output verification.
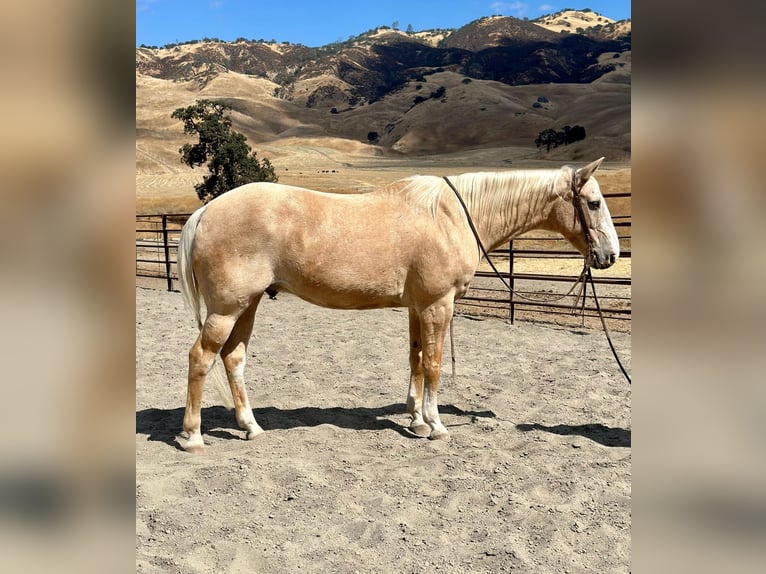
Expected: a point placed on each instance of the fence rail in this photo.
(534, 265)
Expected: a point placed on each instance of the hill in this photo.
(486, 89)
(585, 22)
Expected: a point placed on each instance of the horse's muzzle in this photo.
(602, 261)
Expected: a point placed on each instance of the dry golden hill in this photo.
(429, 118)
(587, 21)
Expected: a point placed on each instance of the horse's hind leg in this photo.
(212, 337)
(415, 392)
(234, 354)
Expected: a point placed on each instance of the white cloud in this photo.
(546, 8)
(518, 9)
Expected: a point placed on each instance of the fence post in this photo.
(510, 281)
(167, 250)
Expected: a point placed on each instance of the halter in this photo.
(585, 274)
(580, 216)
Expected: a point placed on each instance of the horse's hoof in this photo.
(440, 434)
(420, 429)
(251, 434)
(193, 445)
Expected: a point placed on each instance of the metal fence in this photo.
(537, 266)
(157, 248)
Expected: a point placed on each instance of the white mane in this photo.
(486, 193)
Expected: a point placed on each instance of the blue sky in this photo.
(316, 23)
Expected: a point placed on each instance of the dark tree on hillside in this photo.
(438, 92)
(574, 134)
(230, 160)
(547, 138)
(551, 138)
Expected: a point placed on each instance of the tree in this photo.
(547, 138)
(552, 138)
(230, 160)
(575, 134)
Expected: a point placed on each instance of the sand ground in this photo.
(536, 477)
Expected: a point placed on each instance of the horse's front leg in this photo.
(415, 393)
(434, 321)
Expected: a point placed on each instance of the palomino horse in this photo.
(408, 244)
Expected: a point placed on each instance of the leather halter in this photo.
(580, 217)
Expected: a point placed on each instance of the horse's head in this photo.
(601, 244)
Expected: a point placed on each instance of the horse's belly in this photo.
(337, 288)
(350, 300)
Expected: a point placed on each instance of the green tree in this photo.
(548, 138)
(230, 160)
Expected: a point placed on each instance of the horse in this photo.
(407, 244)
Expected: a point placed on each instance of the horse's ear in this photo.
(583, 174)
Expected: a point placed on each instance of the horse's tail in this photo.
(189, 289)
(192, 297)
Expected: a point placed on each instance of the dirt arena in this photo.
(536, 477)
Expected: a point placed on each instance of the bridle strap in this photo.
(580, 217)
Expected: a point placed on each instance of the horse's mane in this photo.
(485, 192)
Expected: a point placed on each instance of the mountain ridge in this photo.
(390, 91)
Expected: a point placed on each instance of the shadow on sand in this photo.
(163, 425)
(596, 432)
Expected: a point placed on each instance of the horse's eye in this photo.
(594, 205)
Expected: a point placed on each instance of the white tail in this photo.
(191, 294)
(189, 290)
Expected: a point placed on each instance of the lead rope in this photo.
(585, 274)
(606, 331)
(452, 349)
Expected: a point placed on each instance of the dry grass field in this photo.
(342, 166)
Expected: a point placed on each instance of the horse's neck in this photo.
(506, 205)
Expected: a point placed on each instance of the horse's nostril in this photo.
(612, 258)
